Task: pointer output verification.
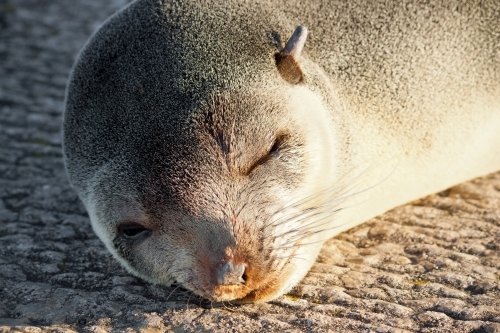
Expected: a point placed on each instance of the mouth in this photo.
(242, 295)
(272, 290)
(259, 288)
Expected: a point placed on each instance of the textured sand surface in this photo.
(430, 266)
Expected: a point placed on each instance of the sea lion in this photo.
(209, 152)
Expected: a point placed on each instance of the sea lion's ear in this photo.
(287, 60)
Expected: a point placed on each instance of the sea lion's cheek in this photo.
(151, 255)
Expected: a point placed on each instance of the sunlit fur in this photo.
(173, 110)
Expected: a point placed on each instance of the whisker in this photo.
(304, 234)
(324, 191)
(306, 244)
(330, 214)
(295, 204)
(335, 200)
(339, 198)
(342, 186)
(291, 256)
(272, 234)
(187, 304)
(301, 228)
(226, 308)
(313, 233)
(329, 202)
(173, 291)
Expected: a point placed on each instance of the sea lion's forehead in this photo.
(158, 75)
(219, 140)
(189, 52)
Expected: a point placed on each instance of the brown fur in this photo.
(186, 113)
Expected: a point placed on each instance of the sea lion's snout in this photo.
(241, 280)
(231, 274)
(229, 281)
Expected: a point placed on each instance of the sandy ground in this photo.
(430, 266)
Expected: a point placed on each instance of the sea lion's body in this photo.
(198, 162)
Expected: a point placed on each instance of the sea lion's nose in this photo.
(231, 274)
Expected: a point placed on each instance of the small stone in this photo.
(401, 260)
(433, 319)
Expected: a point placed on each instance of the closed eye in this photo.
(273, 152)
(275, 149)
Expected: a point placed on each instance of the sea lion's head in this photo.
(197, 168)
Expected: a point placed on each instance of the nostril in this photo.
(244, 277)
(231, 274)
